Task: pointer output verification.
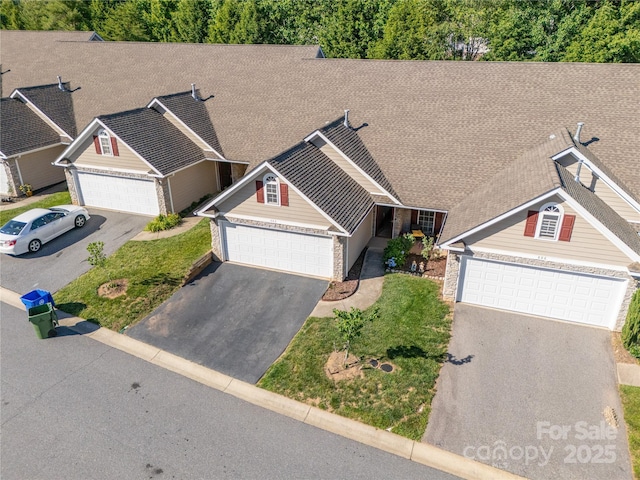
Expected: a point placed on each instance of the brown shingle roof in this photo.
(56, 104)
(437, 129)
(22, 129)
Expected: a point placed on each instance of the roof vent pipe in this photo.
(576, 137)
(193, 92)
(346, 118)
(60, 85)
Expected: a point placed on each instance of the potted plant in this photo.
(26, 189)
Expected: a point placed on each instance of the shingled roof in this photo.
(531, 175)
(22, 129)
(325, 184)
(437, 129)
(599, 209)
(154, 138)
(194, 114)
(348, 141)
(55, 103)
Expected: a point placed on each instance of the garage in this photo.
(4, 180)
(277, 249)
(575, 297)
(118, 193)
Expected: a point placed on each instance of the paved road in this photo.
(65, 258)
(514, 382)
(234, 319)
(73, 408)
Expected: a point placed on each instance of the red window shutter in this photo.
(114, 147)
(284, 195)
(260, 191)
(96, 143)
(567, 228)
(532, 223)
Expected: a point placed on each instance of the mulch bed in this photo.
(346, 288)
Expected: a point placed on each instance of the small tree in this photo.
(350, 324)
(97, 257)
(427, 247)
(631, 329)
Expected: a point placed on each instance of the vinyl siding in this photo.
(36, 168)
(587, 244)
(601, 189)
(349, 169)
(193, 183)
(359, 240)
(126, 160)
(244, 202)
(188, 133)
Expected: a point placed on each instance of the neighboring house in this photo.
(554, 234)
(37, 125)
(152, 160)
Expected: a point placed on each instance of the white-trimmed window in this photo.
(105, 143)
(549, 221)
(271, 190)
(426, 220)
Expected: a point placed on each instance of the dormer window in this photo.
(549, 223)
(105, 144)
(272, 194)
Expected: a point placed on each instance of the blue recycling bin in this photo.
(35, 298)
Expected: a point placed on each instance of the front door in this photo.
(224, 171)
(384, 221)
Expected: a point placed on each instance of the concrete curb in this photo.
(422, 453)
(628, 374)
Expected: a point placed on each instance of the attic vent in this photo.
(194, 94)
(346, 119)
(60, 85)
(576, 137)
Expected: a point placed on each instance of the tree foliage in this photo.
(511, 30)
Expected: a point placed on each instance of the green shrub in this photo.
(163, 222)
(631, 329)
(398, 249)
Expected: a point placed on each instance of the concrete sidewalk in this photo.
(24, 201)
(369, 288)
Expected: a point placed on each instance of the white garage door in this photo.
(118, 193)
(279, 250)
(4, 181)
(575, 297)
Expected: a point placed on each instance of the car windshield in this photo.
(12, 227)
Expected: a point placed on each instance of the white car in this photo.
(30, 230)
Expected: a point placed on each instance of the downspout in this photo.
(345, 272)
(19, 172)
(170, 195)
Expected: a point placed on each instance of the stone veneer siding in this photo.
(164, 198)
(13, 178)
(339, 242)
(401, 221)
(453, 272)
(237, 171)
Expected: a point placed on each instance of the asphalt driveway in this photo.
(234, 319)
(64, 259)
(527, 395)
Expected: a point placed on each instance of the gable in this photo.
(84, 154)
(244, 203)
(598, 186)
(587, 245)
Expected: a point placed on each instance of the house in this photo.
(37, 125)
(555, 234)
(151, 160)
(461, 150)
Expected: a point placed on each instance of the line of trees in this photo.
(510, 30)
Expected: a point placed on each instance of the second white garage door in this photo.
(279, 250)
(576, 297)
(118, 193)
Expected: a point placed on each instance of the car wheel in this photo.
(34, 245)
(80, 221)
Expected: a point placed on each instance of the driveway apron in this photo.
(234, 319)
(531, 396)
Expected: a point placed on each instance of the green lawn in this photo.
(631, 404)
(412, 333)
(60, 198)
(154, 269)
